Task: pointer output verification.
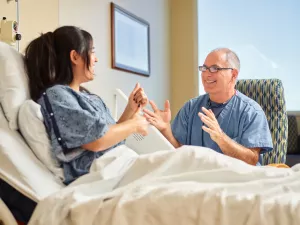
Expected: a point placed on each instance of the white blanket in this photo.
(191, 185)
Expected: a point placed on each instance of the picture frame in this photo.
(130, 42)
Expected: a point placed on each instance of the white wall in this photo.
(94, 16)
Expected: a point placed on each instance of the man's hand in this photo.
(212, 126)
(226, 144)
(159, 118)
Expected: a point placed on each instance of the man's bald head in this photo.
(231, 58)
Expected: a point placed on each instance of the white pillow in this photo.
(13, 83)
(31, 124)
(21, 169)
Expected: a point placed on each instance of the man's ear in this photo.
(235, 74)
(74, 57)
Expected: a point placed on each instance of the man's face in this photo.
(221, 81)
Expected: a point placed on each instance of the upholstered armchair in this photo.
(269, 93)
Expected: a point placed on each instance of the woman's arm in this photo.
(118, 132)
(128, 112)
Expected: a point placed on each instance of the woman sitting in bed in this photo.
(79, 124)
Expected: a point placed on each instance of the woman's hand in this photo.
(136, 101)
(118, 132)
(159, 118)
(137, 98)
(139, 123)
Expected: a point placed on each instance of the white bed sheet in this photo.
(191, 185)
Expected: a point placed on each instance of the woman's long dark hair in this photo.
(47, 58)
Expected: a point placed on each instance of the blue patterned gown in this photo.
(73, 119)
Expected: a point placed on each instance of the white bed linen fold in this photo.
(191, 185)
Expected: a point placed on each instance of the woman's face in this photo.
(90, 71)
(83, 73)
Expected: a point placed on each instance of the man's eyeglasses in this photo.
(212, 69)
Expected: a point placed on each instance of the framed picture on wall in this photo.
(130, 42)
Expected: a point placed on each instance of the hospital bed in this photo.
(21, 169)
(19, 166)
(5, 215)
(24, 164)
(187, 186)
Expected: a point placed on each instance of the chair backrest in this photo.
(269, 93)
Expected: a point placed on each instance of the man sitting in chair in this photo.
(224, 119)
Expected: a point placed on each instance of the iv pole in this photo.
(18, 21)
(18, 35)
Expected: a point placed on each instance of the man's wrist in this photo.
(221, 138)
(167, 129)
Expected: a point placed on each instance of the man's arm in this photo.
(226, 144)
(170, 137)
(161, 120)
(233, 149)
(164, 127)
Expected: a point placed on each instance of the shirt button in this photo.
(59, 139)
(44, 93)
(51, 114)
